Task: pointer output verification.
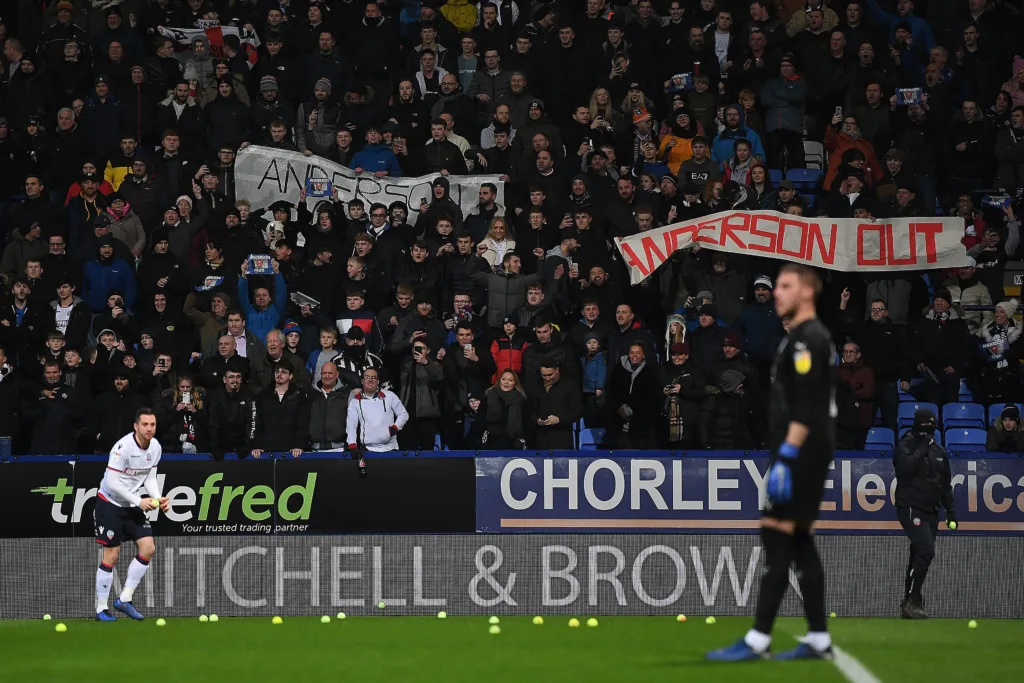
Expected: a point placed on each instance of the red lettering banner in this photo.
(847, 244)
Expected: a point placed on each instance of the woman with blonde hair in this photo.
(601, 108)
(183, 417)
(498, 242)
(504, 414)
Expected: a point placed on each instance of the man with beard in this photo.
(317, 121)
(410, 114)
(355, 358)
(269, 109)
(113, 411)
(58, 417)
(180, 112)
(759, 327)
(23, 323)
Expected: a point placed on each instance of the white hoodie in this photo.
(370, 419)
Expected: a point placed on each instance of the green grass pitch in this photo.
(456, 649)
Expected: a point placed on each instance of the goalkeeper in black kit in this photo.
(801, 423)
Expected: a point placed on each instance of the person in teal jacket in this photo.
(262, 313)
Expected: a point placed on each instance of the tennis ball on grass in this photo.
(325, 619)
(681, 617)
(61, 628)
(214, 618)
(494, 630)
(46, 617)
(591, 622)
(203, 618)
(341, 615)
(442, 615)
(161, 622)
(833, 615)
(538, 621)
(709, 620)
(494, 620)
(972, 624)
(574, 623)
(277, 621)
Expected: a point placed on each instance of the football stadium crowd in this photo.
(126, 272)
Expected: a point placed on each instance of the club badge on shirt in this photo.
(802, 359)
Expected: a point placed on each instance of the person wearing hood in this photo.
(633, 399)
(160, 271)
(537, 122)
(118, 319)
(125, 226)
(943, 346)
(24, 247)
(235, 242)
(1009, 151)
(182, 225)
(317, 121)
(968, 148)
(104, 274)
(200, 60)
(113, 411)
(723, 279)
(1006, 435)
(28, 92)
(723, 144)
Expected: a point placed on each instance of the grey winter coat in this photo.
(328, 411)
(784, 102)
(426, 385)
(505, 291)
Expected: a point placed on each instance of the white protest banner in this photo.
(834, 243)
(264, 175)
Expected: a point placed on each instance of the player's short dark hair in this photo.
(144, 410)
(806, 275)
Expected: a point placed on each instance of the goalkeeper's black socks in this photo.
(778, 555)
(811, 578)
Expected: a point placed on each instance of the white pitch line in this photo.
(851, 668)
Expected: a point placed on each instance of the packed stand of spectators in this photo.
(125, 266)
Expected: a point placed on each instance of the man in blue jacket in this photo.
(262, 313)
(920, 31)
(375, 157)
(722, 147)
(104, 274)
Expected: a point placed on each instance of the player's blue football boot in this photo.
(129, 609)
(105, 615)
(804, 651)
(737, 652)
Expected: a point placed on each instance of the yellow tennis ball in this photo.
(381, 605)
(277, 621)
(203, 618)
(494, 620)
(538, 621)
(46, 617)
(952, 526)
(970, 624)
(325, 619)
(161, 622)
(214, 618)
(709, 620)
(681, 617)
(341, 615)
(574, 623)
(592, 622)
(60, 628)
(494, 630)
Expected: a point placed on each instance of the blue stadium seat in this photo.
(963, 415)
(968, 440)
(905, 416)
(938, 434)
(591, 439)
(776, 176)
(996, 409)
(437, 443)
(879, 439)
(908, 395)
(806, 178)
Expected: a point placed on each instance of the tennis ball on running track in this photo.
(161, 622)
(325, 619)
(494, 630)
(972, 624)
(277, 621)
(538, 621)
(214, 618)
(709, 620)
(60, 628)
(203, 618)
(574, 623)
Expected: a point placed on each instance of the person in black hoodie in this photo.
(113, 411)
(161, 271)
(634, 394)
(553, 410)
(168, 326)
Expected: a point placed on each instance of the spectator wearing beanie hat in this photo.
(1006, 435)
(784, 98)
(731, 418)
(943, 347)
(685, 389)
(706, 340)
(317, 121)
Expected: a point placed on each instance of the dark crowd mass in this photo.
(508, 322)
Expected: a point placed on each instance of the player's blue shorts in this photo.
(114, 524)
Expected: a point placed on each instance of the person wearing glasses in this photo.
(374, 418)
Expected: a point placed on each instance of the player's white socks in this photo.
(136, 570)
(104, 578)
(819, 640)
(757, 641)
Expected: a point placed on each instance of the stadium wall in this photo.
(561, 574)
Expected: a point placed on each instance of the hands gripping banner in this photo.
(847, 244)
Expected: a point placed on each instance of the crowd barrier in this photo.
(643, 532)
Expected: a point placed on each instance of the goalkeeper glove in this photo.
(780, 476)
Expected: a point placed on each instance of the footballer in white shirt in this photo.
(121, 512)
